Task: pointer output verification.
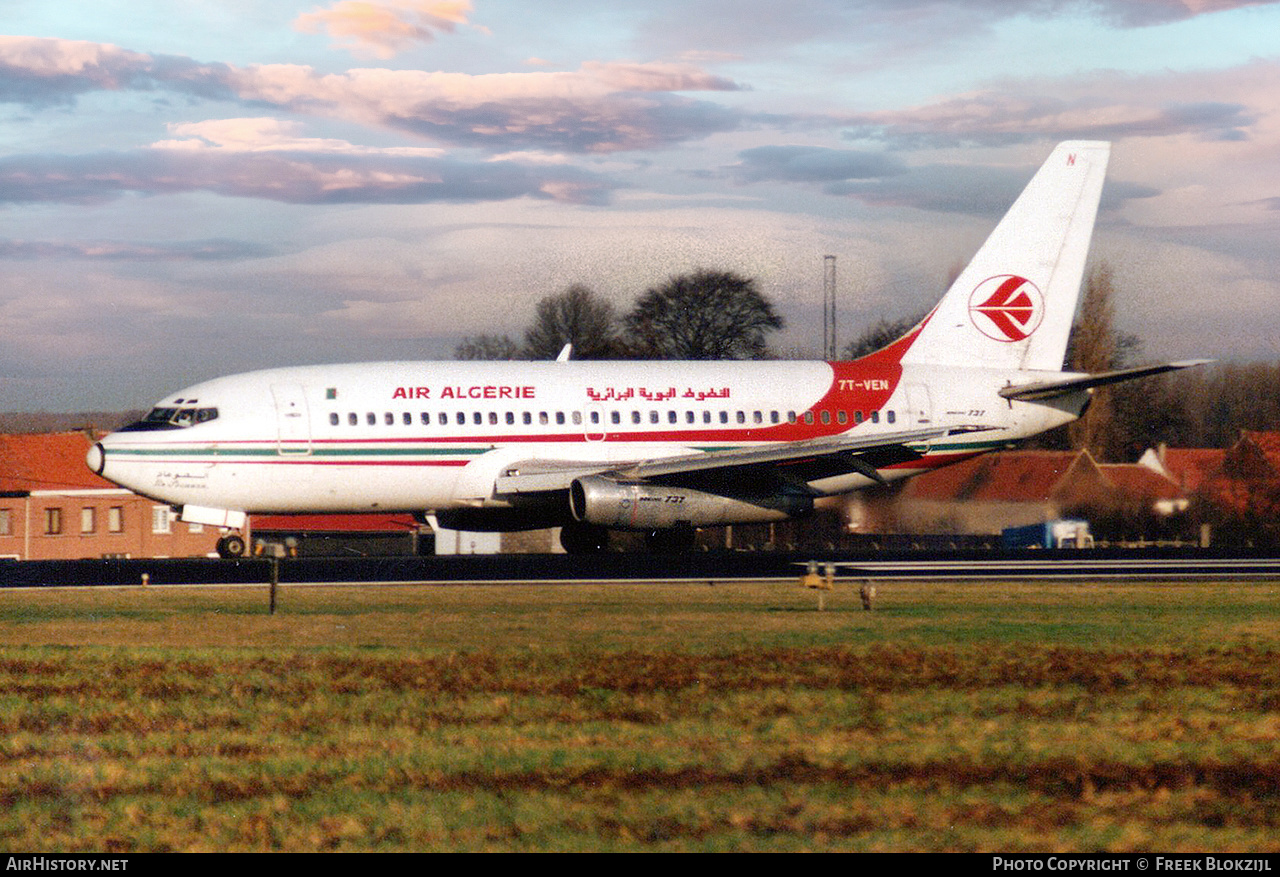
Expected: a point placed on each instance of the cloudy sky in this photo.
(195, 189)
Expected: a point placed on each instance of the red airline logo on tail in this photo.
(1006, 307)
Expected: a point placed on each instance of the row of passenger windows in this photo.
(545, 418)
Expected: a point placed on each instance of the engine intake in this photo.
(620, 505)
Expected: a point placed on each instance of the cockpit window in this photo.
(172, 418)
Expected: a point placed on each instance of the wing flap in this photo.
(788, 462)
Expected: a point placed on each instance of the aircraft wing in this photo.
(774, 465)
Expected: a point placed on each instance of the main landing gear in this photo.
(670, 540)
(593, 539)
(584, 538)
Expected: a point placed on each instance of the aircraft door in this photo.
(293, 422)
(919, 405)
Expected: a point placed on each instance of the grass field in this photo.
(982, 716)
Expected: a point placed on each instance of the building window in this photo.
(115, 519)
(6, 522)
(53, 522)
(88, 520)
(160, 519)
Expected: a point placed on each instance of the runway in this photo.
(1066, 564)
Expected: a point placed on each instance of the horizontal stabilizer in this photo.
(1077, 383)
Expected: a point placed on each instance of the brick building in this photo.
(1015, 488)
(53, 508)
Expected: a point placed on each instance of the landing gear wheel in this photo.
(673, 540)
(584, 539)
(231, 546)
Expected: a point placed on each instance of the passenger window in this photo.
(757, 417)
(389, 418)
(653, 417)
(526, 417)
(724, 416)
(426, 419)
(773, 417)
(372, 419)
(875, 416)
(595, 416)
(493, 418)
(511, 418)
(559, 418)
(891, 417)
(353, 419)
(543, 419)
(742, 417)
(635, 416)
(476, 418)
(808, 417)
(333, 419)
(615, 417)
(577, 418)
(826, 417)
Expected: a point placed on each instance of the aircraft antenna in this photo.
(829, 307)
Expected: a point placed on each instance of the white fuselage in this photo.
(429, 436)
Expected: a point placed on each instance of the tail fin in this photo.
(1014, 304)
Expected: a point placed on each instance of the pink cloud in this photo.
(384, 27)
(601, 107)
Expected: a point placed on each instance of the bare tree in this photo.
(486, 347)
(576, 316)
(881, 335)
(1095, 345)
(703, 315)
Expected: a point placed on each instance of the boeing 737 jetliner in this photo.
(660, 447)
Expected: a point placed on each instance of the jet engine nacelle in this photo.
(631, 506)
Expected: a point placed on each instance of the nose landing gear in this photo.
(231, 545)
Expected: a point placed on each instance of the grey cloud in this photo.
(294, 178)
(812, 164)
(983, 191)
(995, 119)
(622, 122)
(212, 250)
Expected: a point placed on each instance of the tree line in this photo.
(702, 315)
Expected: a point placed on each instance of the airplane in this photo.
(662, 447)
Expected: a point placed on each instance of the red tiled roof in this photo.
(1192, 467)
(47, 461)
(1009, 476)
(1267, 442)
(1139, 482)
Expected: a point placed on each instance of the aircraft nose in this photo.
(96, 459)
